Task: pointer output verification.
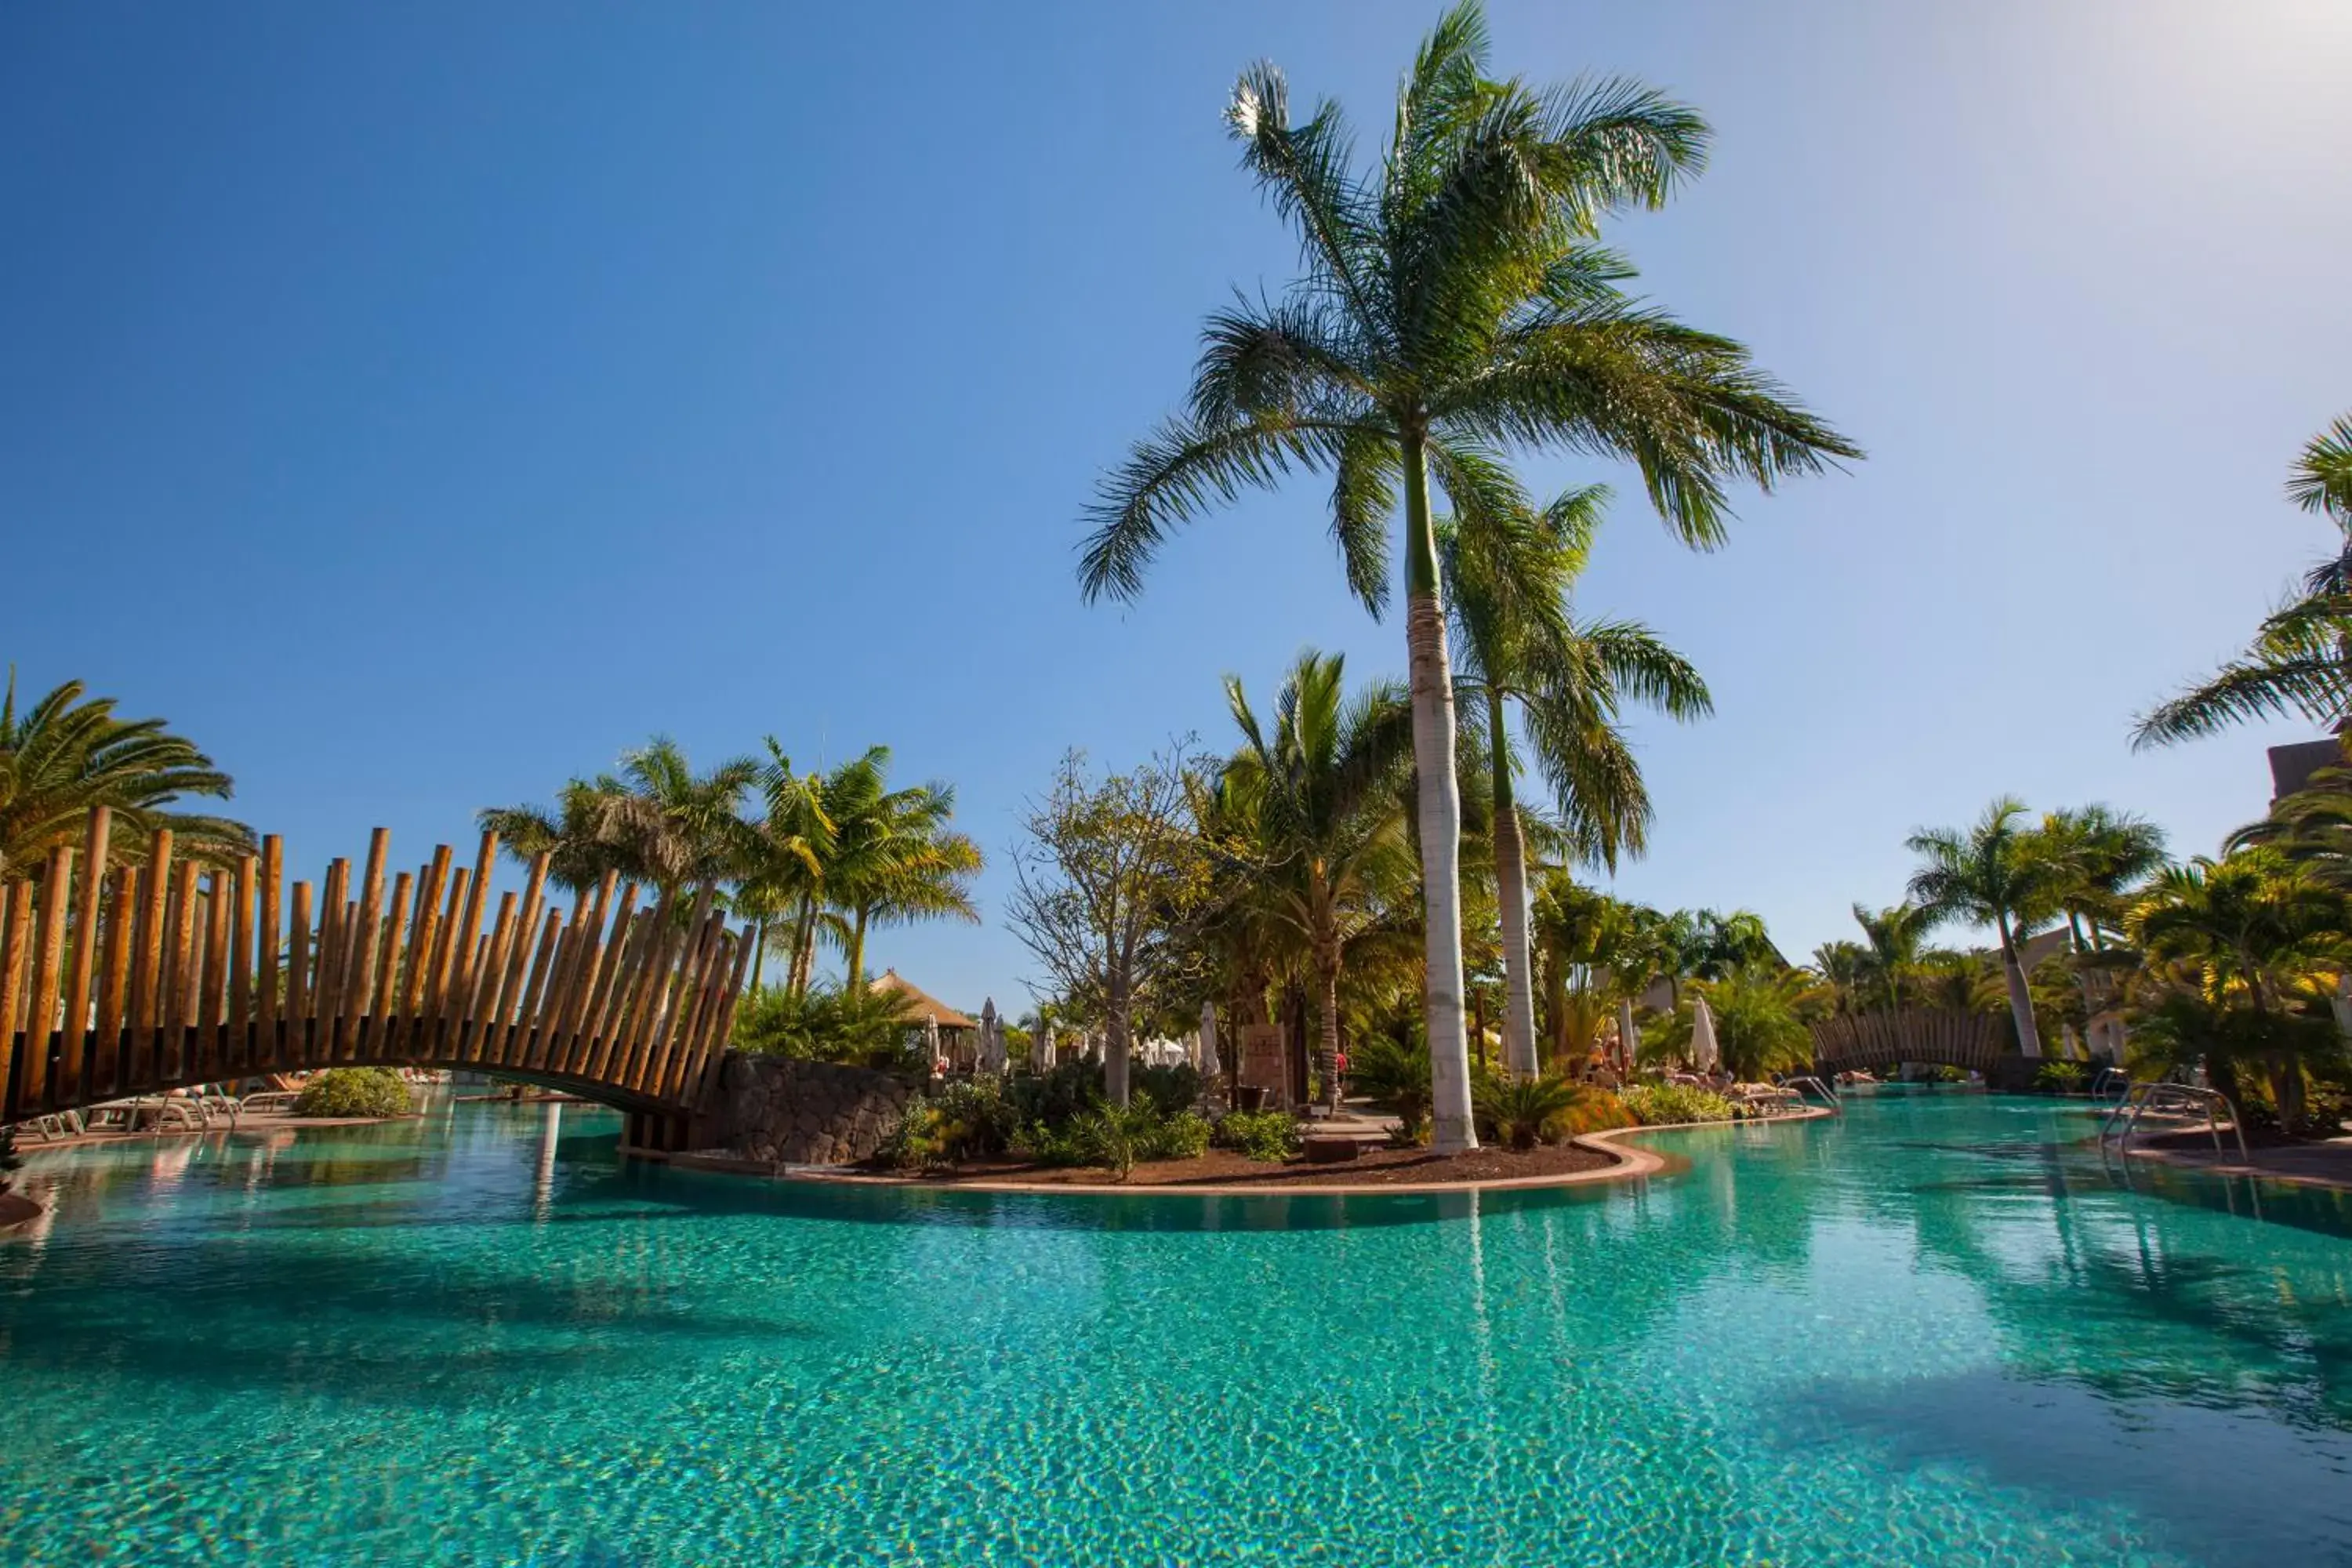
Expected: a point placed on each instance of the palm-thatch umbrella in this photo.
(1705, 1052)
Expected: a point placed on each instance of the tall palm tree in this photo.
(1453, 305)
(65, 755)
(2098, 856)
(1321, 792)
(1992, 874)
(1894, 937)
(657, 821)
(2300, 662)
(895, 861)
(1517, 644)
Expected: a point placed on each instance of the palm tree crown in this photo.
(63, 755)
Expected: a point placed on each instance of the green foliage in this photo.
(354, 1091)
(2061, 1076)
(832, 1023)
(1116, 1139)
(1595, 1110)
(1057, 1099)
(1271, 1135)
(62, 756)
(1524, 1111)
(1394, 1077)
(1169, 1092)
(970, 1120)
(1668, 1104)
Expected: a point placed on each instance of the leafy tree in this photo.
(1847, 969)
(1452, 306)
(2300, 662)
(894, 859)
(1109, 878)
(1570, 680)
(66, 754)
(1760, 1020)
(1991, 874)
(1320, 794)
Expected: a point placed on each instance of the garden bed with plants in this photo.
(1057, 1130)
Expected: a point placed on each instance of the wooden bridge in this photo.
(1883, 1039)
(134, 975)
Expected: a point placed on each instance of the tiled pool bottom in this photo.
(1924, 1332)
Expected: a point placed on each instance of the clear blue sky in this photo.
(419, 404)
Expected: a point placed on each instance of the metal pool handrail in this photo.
(2161, 1098)
(1804, 1081)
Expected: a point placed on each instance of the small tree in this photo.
(1109, 878)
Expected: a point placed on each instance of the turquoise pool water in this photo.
(1928, 1333)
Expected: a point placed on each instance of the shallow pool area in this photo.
(1934, 1329)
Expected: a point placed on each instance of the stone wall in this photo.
(798, 1112)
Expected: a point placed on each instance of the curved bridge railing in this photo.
(1883, 1039)
(125, 978)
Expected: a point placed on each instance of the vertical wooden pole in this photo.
(16, 943)
(215, 975)
(361, 989)
(423, 941)
(85, 955)
(109, 1062)
(273, 932)
(440, 1041)
(296, 1053)
(179, 964)
(519, 958)
(242, 1045)
(466, 954)
(327, 989)
(584, 981)
(48, 954)
(150, 940)
(529, 1020)
(379, 1036)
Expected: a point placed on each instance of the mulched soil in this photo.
(1374, 1167)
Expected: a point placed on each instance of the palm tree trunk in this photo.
(804, 946)
(2021, 999)
(1327, 1003)
(857, 948)
(1511, 892)
(758, 952)
(1440, 815)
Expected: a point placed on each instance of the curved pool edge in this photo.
(1631, 1163)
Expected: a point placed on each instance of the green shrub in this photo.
(2061, 1076)
(1057, 1098)
(1664, 1104)
(1112, 1137)
(1595, 1110)
(968, 1120)
(1522, 1113)
(1183, 1136)
(833, 1023)
(1394, 1077)
(1170, 1090)
(1260, 1134)
(354, 1091)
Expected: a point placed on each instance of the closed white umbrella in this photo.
(1209, 1066)
(1704, 1053)
(1628, 1037)
(991, 1038)
(931, 1042)
(1040, 1048)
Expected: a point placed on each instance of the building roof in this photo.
(922, 1004)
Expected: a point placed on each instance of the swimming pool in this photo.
(1934, 1329)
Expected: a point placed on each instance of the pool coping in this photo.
(1631, 1163)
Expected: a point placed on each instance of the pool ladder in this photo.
(1806, 1082)
(2171, 1098)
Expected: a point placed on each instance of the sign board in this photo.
(1263, 1063)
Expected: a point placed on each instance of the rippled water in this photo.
(1925, 1332)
